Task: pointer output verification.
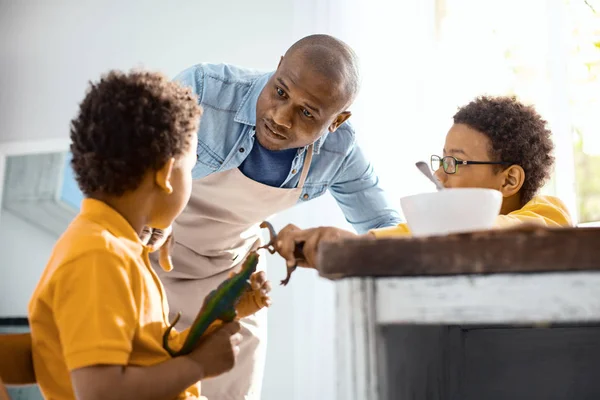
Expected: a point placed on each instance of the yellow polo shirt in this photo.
(98, 302)
(543, 210)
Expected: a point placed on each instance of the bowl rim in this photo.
(454, 190)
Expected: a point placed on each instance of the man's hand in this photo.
(291, 235)
(158, 239)
(217, 352)
(257, 297)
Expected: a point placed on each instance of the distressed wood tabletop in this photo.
(526, 249)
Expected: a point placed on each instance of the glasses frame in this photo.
(458, 162)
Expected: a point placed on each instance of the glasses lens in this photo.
(436, 163)
(449, 165)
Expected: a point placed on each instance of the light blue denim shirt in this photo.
(228, 95)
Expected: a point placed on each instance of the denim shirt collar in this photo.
(246, 114)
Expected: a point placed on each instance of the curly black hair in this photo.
(518, 134)
(129, 123)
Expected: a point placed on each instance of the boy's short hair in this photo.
(518, 135)
(128, 124)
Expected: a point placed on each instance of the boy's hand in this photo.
(159, 239)
(288, 237)
(255, 298)
(217, 352)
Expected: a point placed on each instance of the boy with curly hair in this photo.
(99, 311)
(495, 142)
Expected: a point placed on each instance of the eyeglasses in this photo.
(450, 164)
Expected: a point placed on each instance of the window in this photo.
(584, 102)
(548, 54)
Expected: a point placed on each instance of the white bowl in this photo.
(451, 211)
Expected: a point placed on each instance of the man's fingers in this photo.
(325, 234)
(311, 246)
(290, 237)
(310, 237)
(285, 243)
(289, 242)
(285, 247)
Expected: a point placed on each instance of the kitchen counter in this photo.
(510, 314)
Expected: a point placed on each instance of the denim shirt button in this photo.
(305, 196)
(294, 171)
(242, 150)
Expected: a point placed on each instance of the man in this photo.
(266, 143)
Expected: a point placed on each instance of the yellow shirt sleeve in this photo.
(95, 310)
(542, 210)
(393, 231)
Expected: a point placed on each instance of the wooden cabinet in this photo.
(496, 315)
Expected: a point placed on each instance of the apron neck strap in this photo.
(306, 166)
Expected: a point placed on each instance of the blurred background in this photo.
(420, 59)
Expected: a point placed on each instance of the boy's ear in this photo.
(162, 177)
(513, 179)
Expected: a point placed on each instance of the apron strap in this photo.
(306, 166)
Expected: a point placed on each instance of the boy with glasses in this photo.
(496, 143)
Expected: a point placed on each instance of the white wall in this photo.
(50, 49)
(48, 52)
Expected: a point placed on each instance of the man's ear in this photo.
(162, 177)
(512, 180)
(340, 119)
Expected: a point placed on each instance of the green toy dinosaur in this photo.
(218, 305)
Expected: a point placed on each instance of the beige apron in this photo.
(213, 235)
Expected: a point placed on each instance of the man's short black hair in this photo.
(518, 135)
(128, 124)
(331, 57)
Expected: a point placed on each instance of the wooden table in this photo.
(492, 315)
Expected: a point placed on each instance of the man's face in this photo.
(467, 144)
(297, 106)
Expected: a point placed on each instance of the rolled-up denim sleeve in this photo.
(363, 202)
(192, 77)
